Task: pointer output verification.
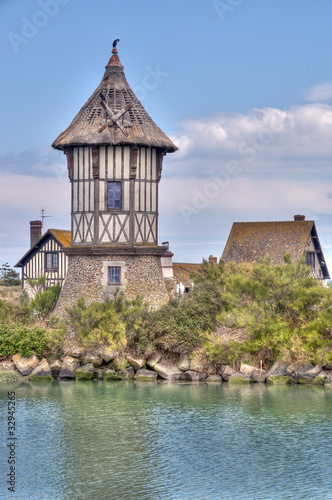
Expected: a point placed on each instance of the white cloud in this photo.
(43, 162)
(291, 138)
(320, 93)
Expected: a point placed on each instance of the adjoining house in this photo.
(45, 257)
(252, 241)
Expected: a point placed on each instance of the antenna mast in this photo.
(43, 216)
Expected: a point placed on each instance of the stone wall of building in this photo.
(87, 277)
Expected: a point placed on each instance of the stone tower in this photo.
(114, 156)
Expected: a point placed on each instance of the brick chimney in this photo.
(298, 218)
(35, 232)
(213, 259)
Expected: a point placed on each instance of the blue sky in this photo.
(244, 88)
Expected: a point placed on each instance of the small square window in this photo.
(114, 195)
(114, 275)
(51, 261)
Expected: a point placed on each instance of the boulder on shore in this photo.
(85, 372)
(25, 365)
(279, 368)
(256, 374)
(226, 371)
(320, 379)
(42, 372)
(143, 375)
(192, 376)
(279, 380)
(213, 378)
(96, 361)
(167, 371)
(108, 354)
(153, 360)
(73, 350)
(240, 378)
(56, 366)
(69, 367)
(112, 375)
(299, 369)
(184, 363)
(136, 362)
(6, 366)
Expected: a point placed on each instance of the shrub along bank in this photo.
(280, 308)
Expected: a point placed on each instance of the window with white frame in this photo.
(114, 275)
(51, 261)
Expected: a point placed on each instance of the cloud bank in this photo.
(267, 164)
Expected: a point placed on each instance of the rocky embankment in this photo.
(74, 364)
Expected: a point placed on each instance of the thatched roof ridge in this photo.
(140, 128)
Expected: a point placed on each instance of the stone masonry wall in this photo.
(87, 277)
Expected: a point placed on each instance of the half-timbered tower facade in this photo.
(114, 155)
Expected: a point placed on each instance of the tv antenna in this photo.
(43, 216)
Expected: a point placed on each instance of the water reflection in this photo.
(105, 440)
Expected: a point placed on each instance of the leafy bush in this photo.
(45, 301)
(281, 307)
(179, 326)
(22, 339)
(98, 324)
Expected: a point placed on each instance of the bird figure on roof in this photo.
(115, 42)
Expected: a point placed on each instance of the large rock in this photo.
(6, 366)
(153, 360)
(85, 372)
(184, 363)
(240, 378)
(73, 350)
(279, 380)
(279, 368)
(113, 375)
(42, 371)
(199, 363)
(320, 379)
(314, 371)
(167, 371)
(299, 369)
(226, 371)
(129, 373)
(25, 365)
(108, 354)
(69, 367)
(136, 362)
(213, 378)
(146, 375)
(192, 376)
(328, 379)
(56, 366)
(256, 374)
(92, 359)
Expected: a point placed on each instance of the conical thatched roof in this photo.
(97, 123)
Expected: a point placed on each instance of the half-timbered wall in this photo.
(138, 171)
(35, 267)
(316, 267)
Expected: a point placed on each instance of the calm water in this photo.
(164, 441)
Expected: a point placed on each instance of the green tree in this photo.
(9, 277)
